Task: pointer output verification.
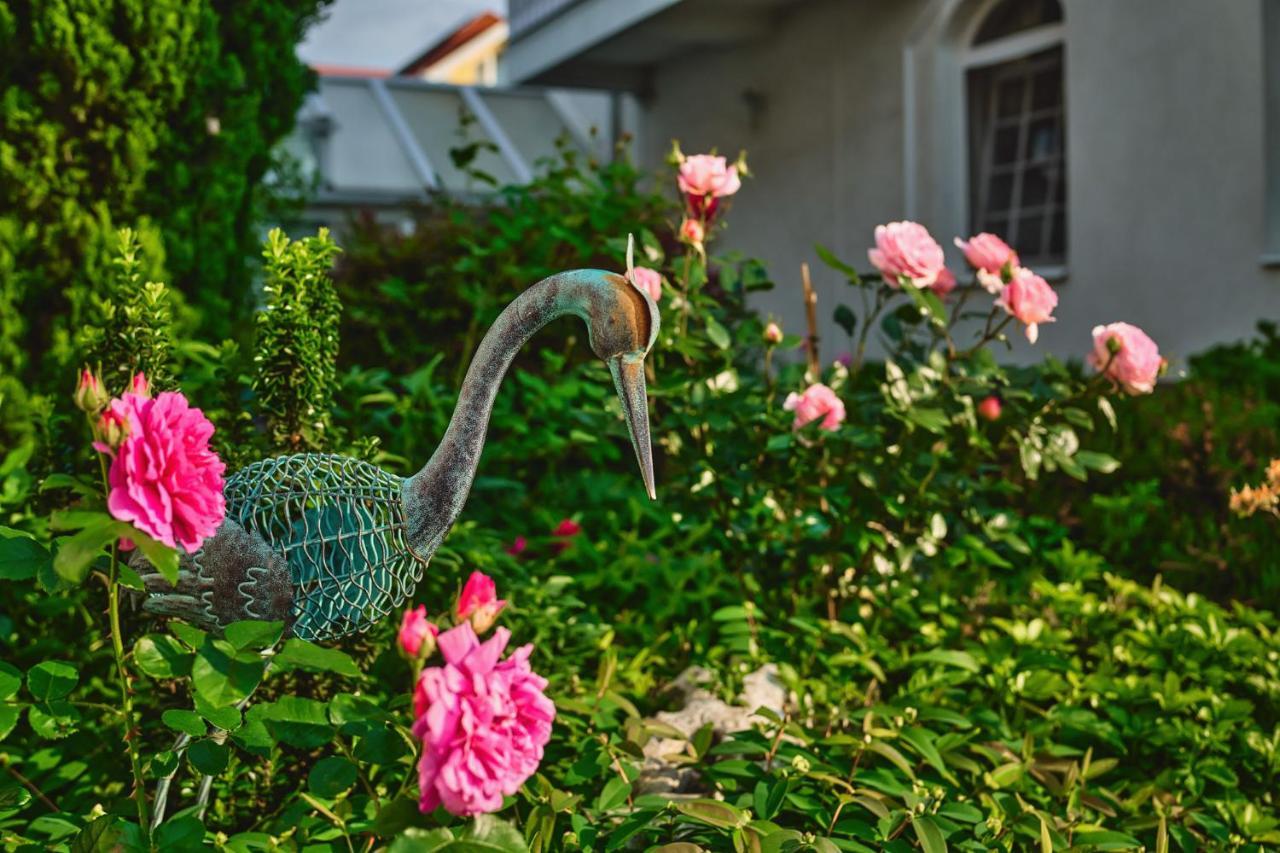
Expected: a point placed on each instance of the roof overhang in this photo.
(613, 44)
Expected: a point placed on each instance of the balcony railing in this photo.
(525, 15)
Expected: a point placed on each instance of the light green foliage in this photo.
(296, 348)
(129, 328)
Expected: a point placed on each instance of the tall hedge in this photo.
(157, 114)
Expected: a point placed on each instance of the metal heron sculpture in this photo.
(329, 544)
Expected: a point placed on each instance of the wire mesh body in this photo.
(338, 523)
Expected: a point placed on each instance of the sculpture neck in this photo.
(434, 497)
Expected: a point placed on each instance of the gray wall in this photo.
(1165, 157)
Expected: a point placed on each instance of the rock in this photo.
(660, 774)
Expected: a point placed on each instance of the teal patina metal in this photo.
(330, 544)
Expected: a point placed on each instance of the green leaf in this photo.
(297, 721)
(181, 833)
(53, 721)
(718, 334)
(253, 634)
(50, 680)
(897, 758)
(103, 835)
(845, 319)
(712, 813)
(1004, 775)
(226, 718)
(928, 303)
(222, 676)
(208, 757)
(299, 654)
(8, 718)
(829, 258)
(1099, 462)
(10, 680)
(331, 776)
(20, 555)
(486, 834)
(76, 553)
(930, 836)
(161, 656)
(949, 657)
(187, 722)
(163, 558)
(613, 794)
(922, 740)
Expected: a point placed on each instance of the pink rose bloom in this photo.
(708, 175)
(692, 232)
(565, 531)
(483, 722)
(164, 479)
(989, 255)
(479, 601)
(773, 333)
(518, 546)
(1137, 363)
(817, 401)
(989, 408)
(650, 281)
(907, 249)
(944, 283)
(414, 629)
(1030, 299)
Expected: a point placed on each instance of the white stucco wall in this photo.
(1165, 156)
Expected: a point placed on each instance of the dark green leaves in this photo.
(20, 555)
(222, 675)
(51, 680)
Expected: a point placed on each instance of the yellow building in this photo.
(468, 56)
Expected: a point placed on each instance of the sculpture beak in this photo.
(628, 376)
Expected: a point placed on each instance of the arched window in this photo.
(1017, 127)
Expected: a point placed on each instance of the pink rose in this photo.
(989, 408)
(518, 547)
(692, 232)
(479, 602)
(483, 722)
(708, 175)
(1030, 299)
(991, 257)
(907, 249)
(415, 630)
(773, 333)
(565, 531)
(817, 401)
(164, 478)
(650, 281)
(944, 283)
(1136, 362)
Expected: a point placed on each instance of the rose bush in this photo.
(956, 667)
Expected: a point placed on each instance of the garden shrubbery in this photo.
(968, 649)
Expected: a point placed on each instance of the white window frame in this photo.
(937, 56)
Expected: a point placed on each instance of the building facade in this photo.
(1129, 150)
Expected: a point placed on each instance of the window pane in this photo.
(1006, 146)
(1042, 139)
(1035, 187)
(1029, 236)
(1001, 197)
(1046, 89)
(1009, 97)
